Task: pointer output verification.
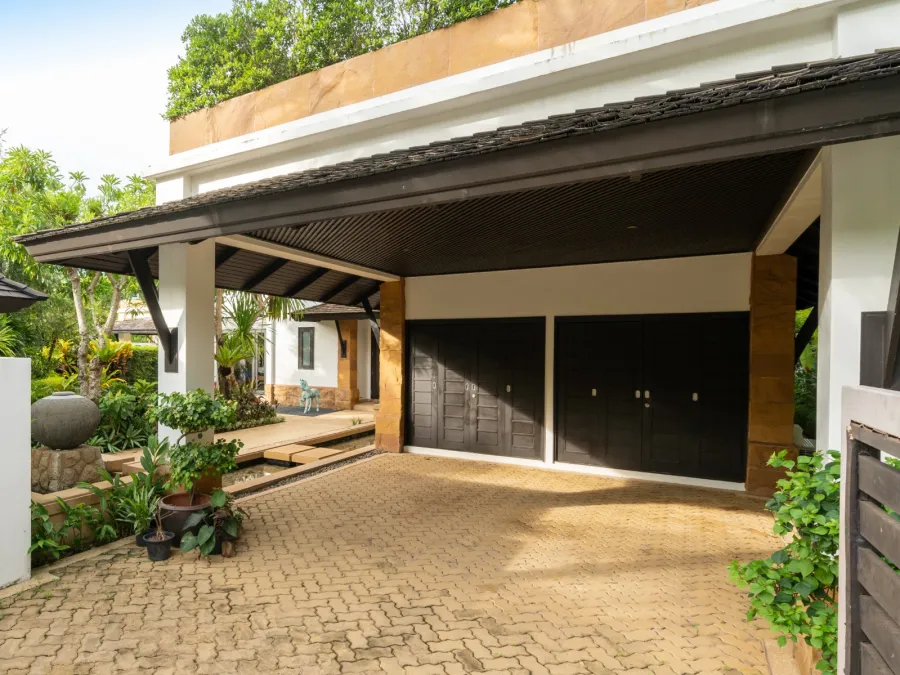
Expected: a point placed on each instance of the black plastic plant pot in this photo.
(158, 549)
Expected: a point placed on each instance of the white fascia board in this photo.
(681, 31)
(305, 257)
(800, 210)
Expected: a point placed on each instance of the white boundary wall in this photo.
(15, 470)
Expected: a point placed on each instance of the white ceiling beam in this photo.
(799, 211)
(297, 255)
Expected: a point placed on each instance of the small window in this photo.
(306, 348)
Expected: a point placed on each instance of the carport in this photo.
(586, 292)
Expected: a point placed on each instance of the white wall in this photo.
(286, 356)
(860, 224)
(673, 286)
(364, 359)
(15, 470)
(684, 49)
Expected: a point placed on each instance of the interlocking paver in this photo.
(406, 564)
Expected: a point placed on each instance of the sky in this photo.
(86, 79)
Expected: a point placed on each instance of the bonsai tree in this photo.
(196, 414)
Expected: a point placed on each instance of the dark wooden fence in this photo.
(873, 601)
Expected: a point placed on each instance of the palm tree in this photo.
(229, 354)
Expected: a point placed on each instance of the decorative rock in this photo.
(64, 420)
(55, 470)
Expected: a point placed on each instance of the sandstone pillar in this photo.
(389, 420)
(771, 415)
(347, 394)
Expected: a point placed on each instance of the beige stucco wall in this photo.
(523, 28)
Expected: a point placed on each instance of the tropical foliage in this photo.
(805, 381)
(250, 410)
(262, 42)
(82, 306)
(222, 522)
(794, 589)
(194, 414)
(126, 420)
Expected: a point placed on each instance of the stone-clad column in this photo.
(771, 416)
(347, 394)
(389, 418)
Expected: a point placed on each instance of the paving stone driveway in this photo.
(408, 564)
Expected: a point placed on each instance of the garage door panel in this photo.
(695, 368)
(489, 391)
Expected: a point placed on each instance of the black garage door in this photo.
(665, 394)
(477, 386)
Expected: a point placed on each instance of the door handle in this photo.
(695, 396)
(593, 392)
(647, 394)
(508, 389)
(637, 393)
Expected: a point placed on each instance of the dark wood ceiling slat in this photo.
(306, 281)
(264, 273)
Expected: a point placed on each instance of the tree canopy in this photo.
(263, 42)
(34, 195)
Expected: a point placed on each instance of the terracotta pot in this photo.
(178, 507)
(209, 482)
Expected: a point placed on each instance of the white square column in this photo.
(859, 227)
(187, 300)
(15, 470)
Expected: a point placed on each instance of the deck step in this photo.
(367, 406)
(314, 455)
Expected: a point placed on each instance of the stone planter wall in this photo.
(55, 470)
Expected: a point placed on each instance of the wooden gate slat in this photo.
(880, 581)
(880, 481)
(875, 439)
(882, 531)
(872, 663)
(882, 632)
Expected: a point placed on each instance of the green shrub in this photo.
(125, 418)
(143, 364)
(250, 411)
(52, 384)
(794, 588)
(195, 413)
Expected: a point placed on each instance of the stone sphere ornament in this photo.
(64, 420)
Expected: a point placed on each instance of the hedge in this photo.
(143, 364)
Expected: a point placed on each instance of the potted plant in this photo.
(217, 528)
(132, 505)
(159, 541)
(195, 465)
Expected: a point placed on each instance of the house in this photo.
(329, 347)
(575, 218)
(333, 349)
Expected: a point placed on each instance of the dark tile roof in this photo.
(327, 311)
(142, 326)
(15, 296)
(744, 88)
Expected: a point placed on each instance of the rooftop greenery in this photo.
(263, 42)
